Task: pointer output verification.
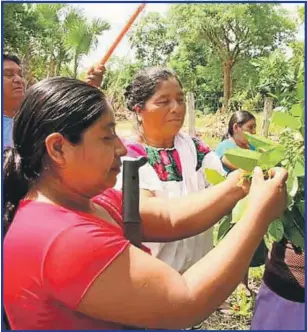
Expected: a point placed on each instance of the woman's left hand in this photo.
(239, 181)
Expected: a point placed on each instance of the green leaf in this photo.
(268, 241)
(243, 158)
(239, 210)
(224, 227)
(294, 228)
(286, 120)
(271, 157)
(259, 142)
(300, 91)
(301, 207)
(299, 168)
(292, 183)
(297, 110)
(213, 176)
(276, 230)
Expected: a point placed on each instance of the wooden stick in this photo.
(121, 35)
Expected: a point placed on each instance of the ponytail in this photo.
(225, 136)
(16, 185)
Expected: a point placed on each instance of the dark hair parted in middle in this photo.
(144, 85)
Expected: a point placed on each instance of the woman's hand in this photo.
(268, 197)
(94, 76)
(237, 180)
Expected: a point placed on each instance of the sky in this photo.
(117, 15)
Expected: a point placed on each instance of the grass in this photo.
(211, 127)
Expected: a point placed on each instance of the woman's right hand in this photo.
(268, 197)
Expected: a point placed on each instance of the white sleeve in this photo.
(212, 161)
(148, 178)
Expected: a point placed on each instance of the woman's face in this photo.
(92, 165)
(163, 114)
(249, 126)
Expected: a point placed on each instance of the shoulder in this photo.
(200, 145)
(224, 146)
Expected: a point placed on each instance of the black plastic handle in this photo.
(131, 197)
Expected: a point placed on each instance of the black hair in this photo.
(239, 117)
(57, 104)
(11, 57)
(144, 85)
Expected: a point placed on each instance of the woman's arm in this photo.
(176, 218)
(140, 290)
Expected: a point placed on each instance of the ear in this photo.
(138, 113)
(56, 146)
(236, 128)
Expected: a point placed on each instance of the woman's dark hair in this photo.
(144, 85)
(239, 117)
(64, 105)
(11, 57)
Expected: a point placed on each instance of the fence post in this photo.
(191, 113)
(267, 113)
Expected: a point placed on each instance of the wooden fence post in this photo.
(191, 113)
(267, 113)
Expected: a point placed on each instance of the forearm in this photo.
(224, 267)
(176, 218)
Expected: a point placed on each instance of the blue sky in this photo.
(117, 15)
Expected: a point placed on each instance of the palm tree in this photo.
(81, 35)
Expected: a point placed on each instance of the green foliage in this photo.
(289, 153)
(117, 77)
(50, 38)
(242, 158)
(213, 176)
(151, 41)
(276, 230)
(233, 33)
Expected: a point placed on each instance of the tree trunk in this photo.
(75, 65)
(191, 113)
(267, 113)
(227, 83)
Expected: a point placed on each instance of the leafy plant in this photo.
(288, 153)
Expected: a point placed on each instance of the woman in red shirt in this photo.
(67, 264)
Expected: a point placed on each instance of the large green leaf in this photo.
(276, 230)
(268, 241)
(286, 120)
(297, 110)
(213, 176)
(299, 168)
(271, 157)
(243, 158)
(260, 142)
(239, 210)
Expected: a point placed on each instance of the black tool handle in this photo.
(131, 197)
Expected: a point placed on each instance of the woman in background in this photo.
(240, 122)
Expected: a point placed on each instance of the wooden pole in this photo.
(267, 113)
(122, 34)
(191, 113)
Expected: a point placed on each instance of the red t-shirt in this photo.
(51, 257)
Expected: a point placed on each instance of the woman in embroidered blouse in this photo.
(67, 264)
(176, 160)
